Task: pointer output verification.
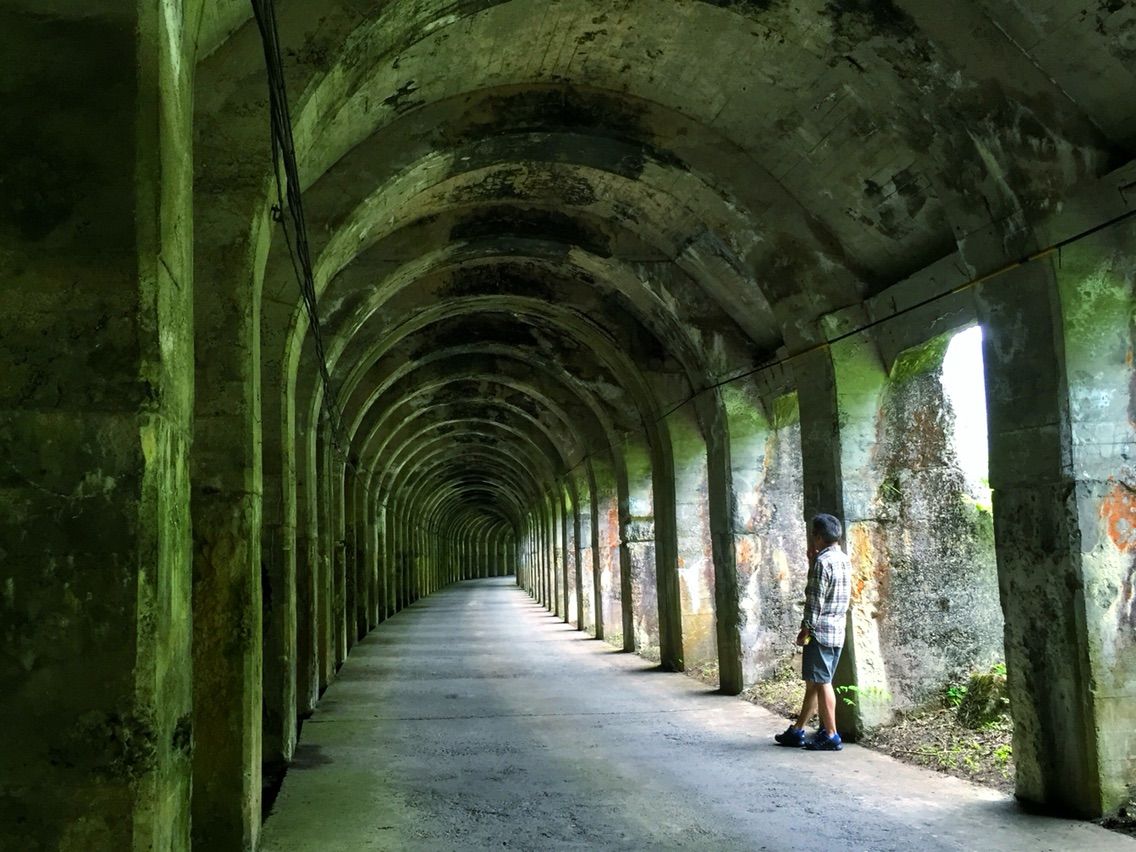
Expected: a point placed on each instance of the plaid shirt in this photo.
(826, 596)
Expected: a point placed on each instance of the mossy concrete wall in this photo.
(769, 528)
(839, 392)
(938, 608)
(588, 550)
(696, 579)
(637, 536)
(1097, 288)
(1058, 365)
(605, 253)
(611, 600)
(95, 406)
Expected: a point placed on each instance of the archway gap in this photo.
(460, 429)
(599, 426)
(547, 446)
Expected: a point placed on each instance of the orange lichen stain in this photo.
(862, 549)
(744, 552)
(613, 524)
(1118, 510)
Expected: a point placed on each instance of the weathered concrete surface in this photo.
(476, 720)
(769, 536)
(96, 391)
(938, 610)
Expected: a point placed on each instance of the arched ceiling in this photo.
(538, 226)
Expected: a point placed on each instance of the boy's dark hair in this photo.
(828, 528)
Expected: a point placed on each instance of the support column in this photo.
(325, 581)
(344, 592)
(310, 670)
(282, 667)
(227, 607)
(840, 389)
(96, 396)
(1059, 350)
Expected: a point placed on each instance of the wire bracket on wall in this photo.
(289, 212)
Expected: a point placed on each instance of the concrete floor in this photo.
(475, 720)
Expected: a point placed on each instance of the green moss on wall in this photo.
(786, 411)
(921, 359)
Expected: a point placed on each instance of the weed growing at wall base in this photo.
(934, 738)
(866, 694)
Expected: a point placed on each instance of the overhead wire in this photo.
(970, 283)
(290, 206)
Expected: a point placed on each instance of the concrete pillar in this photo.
(382, 560)
(364, 556)
(559, 564)
(394, 569)
(637, 544)
(599, 550)
(96, 392)
(281, 668)
(421, 569)
(840, 389)
(310, 676)
(402, 587)
(555, 554)
(666, 551)
(567, 590)
(410, 567)
(696, 569)
(356, 594)
(720, 508)
(768, 529)
(483, 550)
(325, 575)
(344, 593)
(613, 515)
(580, 573)
(1058, 350)
(585, 550)
(542, 555)
(227, 609)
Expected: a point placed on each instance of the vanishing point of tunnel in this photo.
(414, 415)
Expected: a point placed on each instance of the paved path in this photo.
(475, 720)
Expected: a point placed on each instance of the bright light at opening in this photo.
(965, 388)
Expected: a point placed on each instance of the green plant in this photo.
(869, 693)
(891, 487)
(982, 503)
(985, 701)
(1003, 753)
(954, 694)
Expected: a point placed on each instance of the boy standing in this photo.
(822, 634)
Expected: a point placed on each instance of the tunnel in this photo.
(349, 346)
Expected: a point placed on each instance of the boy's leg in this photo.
(809, 705)
(825, 696)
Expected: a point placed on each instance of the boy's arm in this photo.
(815, 593)
(811, 600)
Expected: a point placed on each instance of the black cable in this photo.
(290, 206)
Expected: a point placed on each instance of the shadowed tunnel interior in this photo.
(612, 297)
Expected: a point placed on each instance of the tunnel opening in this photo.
(936, 591)
(939, 610)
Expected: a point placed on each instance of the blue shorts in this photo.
(819, 662)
